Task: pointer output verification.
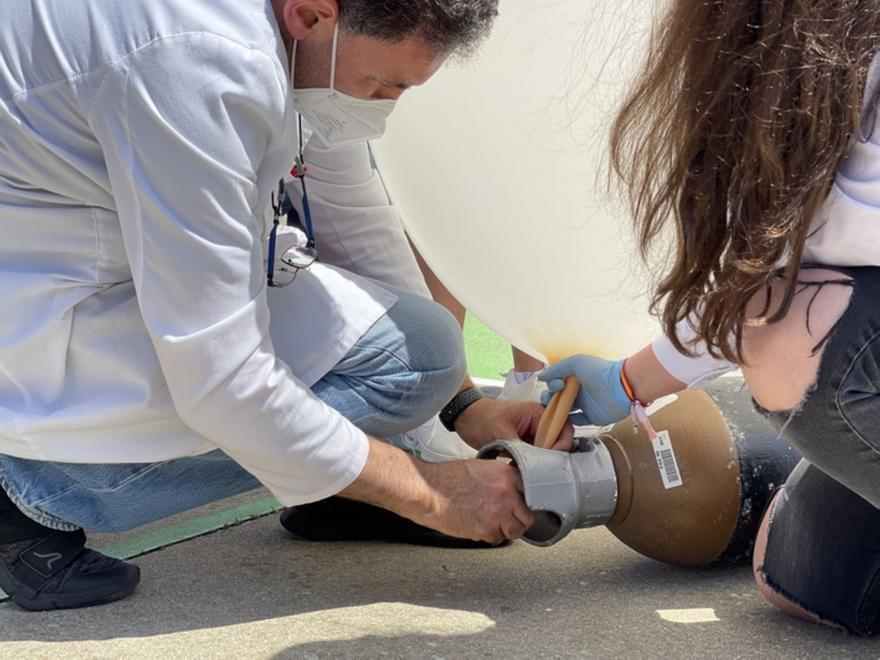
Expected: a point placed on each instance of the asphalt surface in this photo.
(255, 592)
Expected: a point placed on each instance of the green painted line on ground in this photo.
(190, 529)
(488, 356)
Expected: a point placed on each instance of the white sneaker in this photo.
(432, 443)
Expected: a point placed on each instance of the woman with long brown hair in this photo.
(750, 142)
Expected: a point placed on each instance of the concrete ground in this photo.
(252, 591)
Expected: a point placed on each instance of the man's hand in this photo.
(488, 420)
(479, 500)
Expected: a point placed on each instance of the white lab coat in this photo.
(139, 143)
(356, 225)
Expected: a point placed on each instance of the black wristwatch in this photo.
(460, 402)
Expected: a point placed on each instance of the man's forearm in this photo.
(392, 480)
(479, 500)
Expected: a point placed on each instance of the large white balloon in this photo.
(499, 167)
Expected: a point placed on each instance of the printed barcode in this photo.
(669, 465)
(666, 463)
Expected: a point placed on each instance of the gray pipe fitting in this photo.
(566, 491)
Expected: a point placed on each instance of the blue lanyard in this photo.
(299, 172)
(301, 175)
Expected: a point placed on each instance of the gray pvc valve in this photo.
(566, 491)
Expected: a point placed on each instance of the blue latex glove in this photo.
(601, 399)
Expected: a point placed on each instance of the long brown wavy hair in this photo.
(732, 135)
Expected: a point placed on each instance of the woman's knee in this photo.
(783, 358)
(816, 554)
(766, 583)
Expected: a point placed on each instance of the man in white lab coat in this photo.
(145, 365)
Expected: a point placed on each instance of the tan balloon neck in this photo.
(690, 525)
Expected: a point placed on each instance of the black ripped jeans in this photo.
(823, 549)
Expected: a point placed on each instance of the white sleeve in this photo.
(356, 225)
(696, 370)
(184, 124)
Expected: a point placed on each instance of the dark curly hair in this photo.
(445, 26)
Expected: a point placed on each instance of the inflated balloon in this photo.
(499, 168)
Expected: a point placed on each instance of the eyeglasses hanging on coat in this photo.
(298, 257)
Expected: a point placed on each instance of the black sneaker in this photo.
(341, 519)
(43, 569)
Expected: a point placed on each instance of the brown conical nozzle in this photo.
(690, 525)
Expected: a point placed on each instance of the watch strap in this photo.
(460, 402)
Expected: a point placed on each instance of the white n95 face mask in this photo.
(339, 119)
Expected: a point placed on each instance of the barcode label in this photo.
(666, 462)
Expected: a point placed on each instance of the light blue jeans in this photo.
(396, 377)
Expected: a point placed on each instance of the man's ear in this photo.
(304, 18)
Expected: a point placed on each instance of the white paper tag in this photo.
(666, 462)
